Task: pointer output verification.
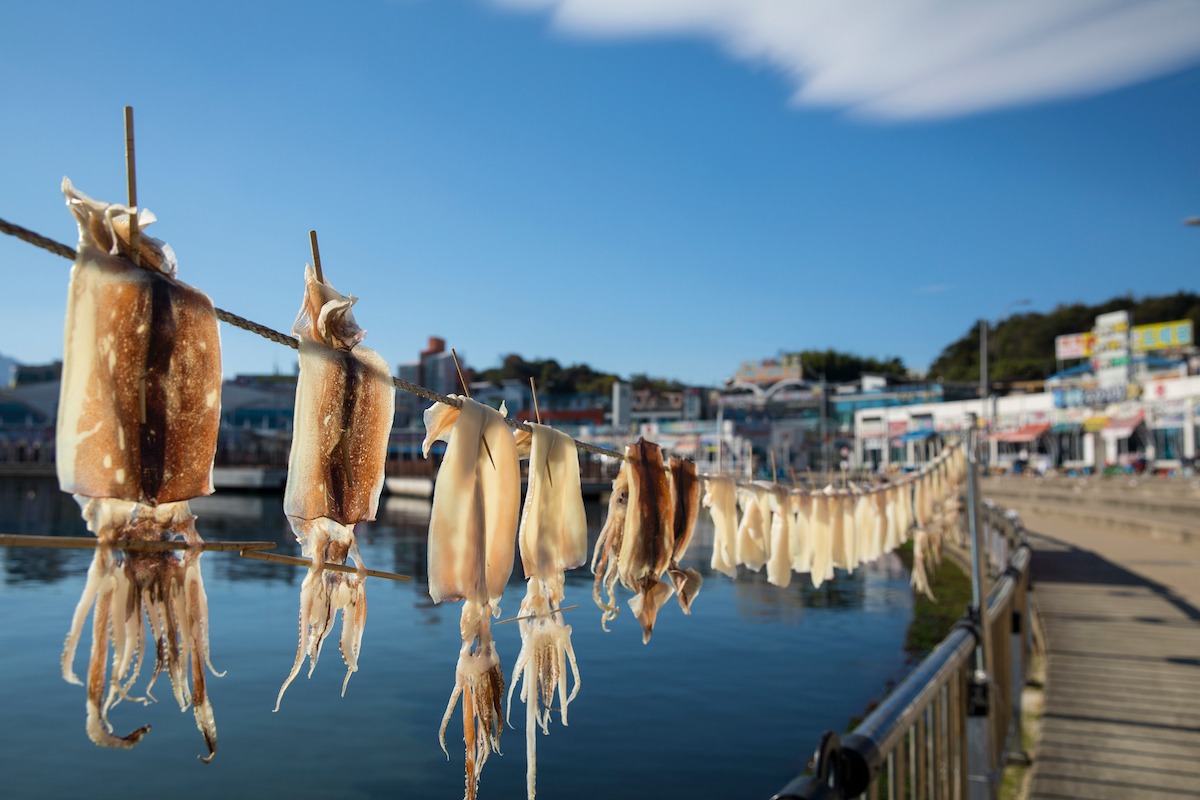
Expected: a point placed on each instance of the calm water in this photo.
(728, 702)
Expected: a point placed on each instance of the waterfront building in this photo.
(1154, 425)
(435, 370)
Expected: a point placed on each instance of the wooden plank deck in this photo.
(1121, 616)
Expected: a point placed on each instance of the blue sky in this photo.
(658, 186)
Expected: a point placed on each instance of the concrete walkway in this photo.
(1121, 616)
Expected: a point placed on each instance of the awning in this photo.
(1065, 427)
(923, 433)
(1024, 434)
(1123, 427)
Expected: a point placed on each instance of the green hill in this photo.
(1022, 346)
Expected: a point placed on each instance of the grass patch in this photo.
(933, 619)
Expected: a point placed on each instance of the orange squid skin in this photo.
(139, 412)
(140, 396)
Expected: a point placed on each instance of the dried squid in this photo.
(720, 498)
(137, 427)
(343, 417)
(801, 544)
(821, 531)
(553, 539)
(779, 559)
(921, 560)
(752, 529)
(472, 539)
(638, 539)
(685, 490)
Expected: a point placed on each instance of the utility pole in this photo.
(984, 388)
(824, 433)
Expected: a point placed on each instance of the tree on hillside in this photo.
(1022, 346)
(837, 366)
(550, 376)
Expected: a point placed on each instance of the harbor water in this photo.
(728, 702)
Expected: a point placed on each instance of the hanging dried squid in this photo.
(472, 539)
(685, 492)
(552, 538)
(637, 541)
(343, 417)
(137, 424)
(720, 498)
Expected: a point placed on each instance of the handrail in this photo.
(918, 734)
(864, 750)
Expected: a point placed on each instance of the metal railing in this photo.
(948, 729)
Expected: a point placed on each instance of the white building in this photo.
(1156, 425)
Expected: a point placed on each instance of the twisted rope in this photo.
(59, 249)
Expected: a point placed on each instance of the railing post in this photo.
(979, 750)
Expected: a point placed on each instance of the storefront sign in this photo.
(1073, 345)
(1110, 356)
(1167, 414)
(1162, 335)
(871, 426)
(1101, 396)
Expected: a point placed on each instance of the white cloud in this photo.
(916, 59)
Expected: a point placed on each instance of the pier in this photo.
(1102, 577)
(1119, 602)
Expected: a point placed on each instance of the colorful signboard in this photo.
(1162, 335)
(1159, 336)
(1110, 352)
(1073, 345)
(1090, 397)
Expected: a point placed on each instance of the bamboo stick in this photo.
(90, 543)
(297, 561)
(467, 392)
(131, 185)
(316, 254)
(538, 413)
(533, 616)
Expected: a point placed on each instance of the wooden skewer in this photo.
(316, 254)
(538, 413)
(131, 184)
(534, 616)
(461, 378)
(774, 469)
(90, 543)
(297, 561)
(467, 392)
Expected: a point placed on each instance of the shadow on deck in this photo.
(1122, 706)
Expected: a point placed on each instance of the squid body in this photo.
(345, 402)
(137, 427)
(472, 541)
(552, 539)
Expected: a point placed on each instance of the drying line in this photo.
(59, 249)
(91, 543)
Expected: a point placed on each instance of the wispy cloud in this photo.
(916, 59)
(933, 288)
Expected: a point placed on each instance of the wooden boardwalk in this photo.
(1121, 618)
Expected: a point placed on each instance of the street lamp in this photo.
(985, 389)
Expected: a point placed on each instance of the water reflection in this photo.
(762, 671)
(395, 542)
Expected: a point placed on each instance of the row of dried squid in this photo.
(475, 528)
(137, 426)
(791, 530)
(138, 420)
